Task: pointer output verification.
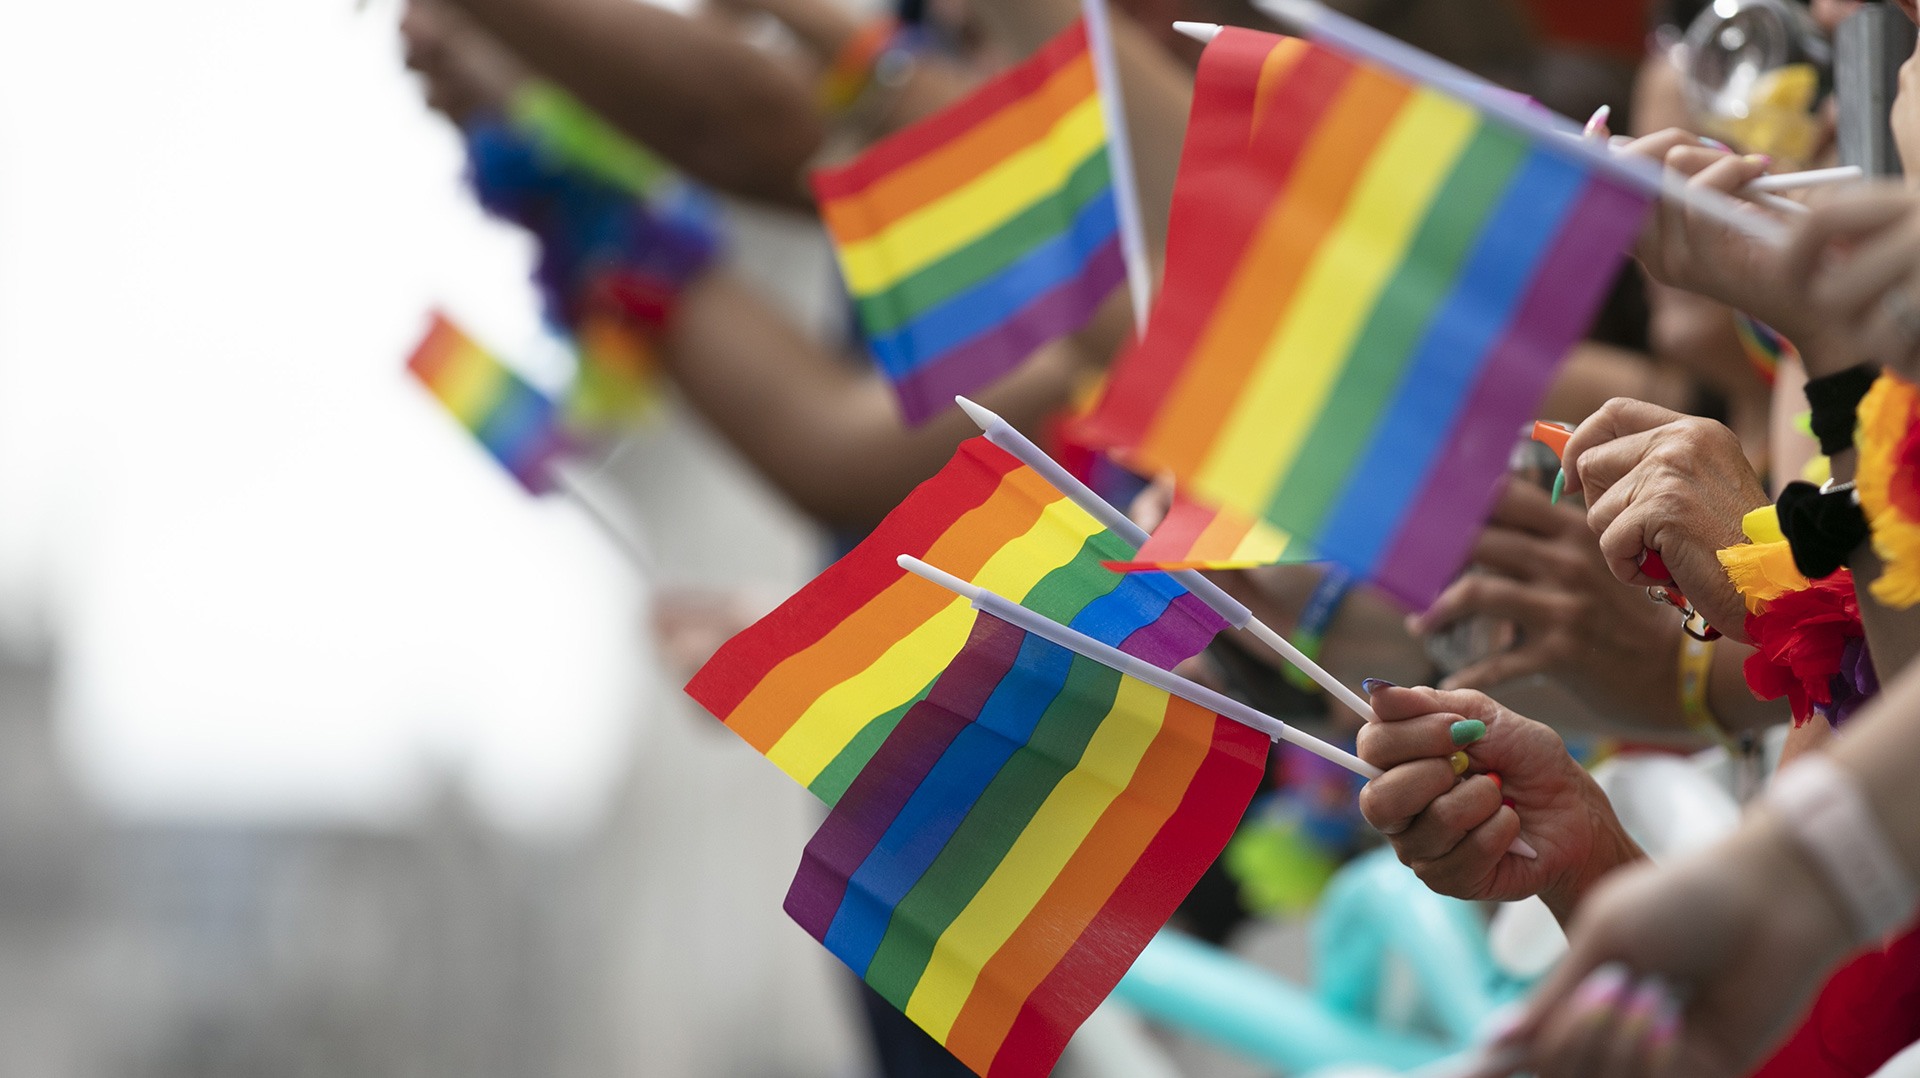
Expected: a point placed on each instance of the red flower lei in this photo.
(1799, 640)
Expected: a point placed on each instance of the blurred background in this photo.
(323, 749)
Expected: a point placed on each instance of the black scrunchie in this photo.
(1823, 529)
(1835, 399)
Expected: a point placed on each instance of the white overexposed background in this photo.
(278, 582)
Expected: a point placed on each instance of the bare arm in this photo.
(708, 102)
(825, 431)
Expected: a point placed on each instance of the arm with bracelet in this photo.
(1728, 947)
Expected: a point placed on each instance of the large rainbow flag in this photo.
(1197, 536)
(979, 234)
(1016, 842)
(508, 417)
(1368, 286)
(819, 683)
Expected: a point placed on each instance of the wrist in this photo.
(1609, 848)
(1822, 809)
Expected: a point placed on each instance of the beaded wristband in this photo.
(1823, 808)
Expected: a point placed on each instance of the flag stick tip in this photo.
(1202, 32)
(982, 418)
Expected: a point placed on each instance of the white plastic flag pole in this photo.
(1126, 191)
(1166, 680)
(1002, 434)
(568, 479)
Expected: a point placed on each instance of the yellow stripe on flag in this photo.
(1303, 359)
(470, 384)
(937, 230)
(841, 712)
(1038, 856)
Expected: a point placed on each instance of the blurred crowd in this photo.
(1724, 375)
(1741, 421)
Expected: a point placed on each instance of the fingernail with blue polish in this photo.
(1373, 685)
(1467, 731)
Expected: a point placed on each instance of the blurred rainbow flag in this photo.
(1017, 840)
(1369, 285)
(818, 684)
(1196, 536)
(981, 233)
(509, 418)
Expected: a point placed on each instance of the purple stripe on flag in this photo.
(982, 360)
(867, 809)
(1462, 485)
(1182, 631)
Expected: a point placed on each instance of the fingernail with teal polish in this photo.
(1467, 731)
(1559, 487)
(1373, 685)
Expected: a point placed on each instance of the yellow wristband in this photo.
(1696, 673)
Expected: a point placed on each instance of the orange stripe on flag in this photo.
(852, 646)
(1264, 285)
(953, 166)
(1083, 887)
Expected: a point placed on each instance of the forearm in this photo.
(711, 104)
(1612, 847)
(826, 432)
(1881, 747)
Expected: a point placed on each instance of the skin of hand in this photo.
(1670, 483)
(825, 431)
(1863, 251)
(1606, 642)
(1748, 924)
(1744, 933)
(1454, 834)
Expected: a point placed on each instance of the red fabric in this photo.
(1866, 1013)
(1618, 27)
(1800, 640)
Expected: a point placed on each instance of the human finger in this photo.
(1390, 802)
(1572, 1041)
(1441, 827)
(1468, 867)
(1525, 507)
(1533, 605)
(1516, 554)
(1852, 284)
(1642, 1034)
(1616, 419)
(1502, 668)
(1390, 744)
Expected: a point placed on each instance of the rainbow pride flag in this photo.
(819, 683)
(1763, 345)
(1197, 536)
(506, 415)
(1368, 288)
(981, 233)
(1018, 839)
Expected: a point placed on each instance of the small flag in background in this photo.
(509, 417)
(819, 683)
(1020, 836)
(1195, 536)
(1368, 288)
(620, 234)
(981, 233)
